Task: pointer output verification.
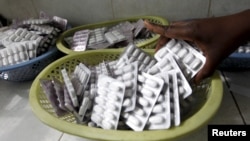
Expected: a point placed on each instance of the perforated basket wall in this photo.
(142, 43)
(44, 111)
(30, 69)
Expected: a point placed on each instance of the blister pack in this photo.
(128, 75)
(133, 53)
(114, 36)
(70, 88)
(13, 55)
(50, 93)
(189, 58)
(160, 117)
(174, 99)
(149, 88)
(80, 40)
(108, 102)
(82, 74)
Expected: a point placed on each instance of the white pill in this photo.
(161, 53)
(83, 77)
(109, 115)
(181, 90)
(115, 88)
(188, 58)
(134, 120)
(161, 98)
(128, 84)
(152, 83)
(164, 63)
(146, 60)
(147, 92)
(154, 71)
(128, 68)
(127, 102)
(141, 56)
(144, 102)
(196, 64)
(168, 67)
(182, 53)
(5, 62)
(158, 109)
(28, 36)
(96, 118)
(32, 54)
(112, 106)
(128, 76)
(101, 91)
(107, 125)
(99, 100)
(19, 31)
(136, 53)
(113, 97)
(156, 119)
(130, 49)
(176, 48)
(98, 109)
(140, 111)
(171, 43)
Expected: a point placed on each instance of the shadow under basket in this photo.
(211, 92)
(28, 70)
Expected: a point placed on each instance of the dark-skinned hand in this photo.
(216, 37)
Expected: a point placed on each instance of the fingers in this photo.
(178, 30)
(161, 42)
(206, 71)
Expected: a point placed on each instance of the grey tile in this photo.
(17, 120)
(68, 137)
(78, 12)
(225, 7)
(169, 9)
(239, 85)
(226, 114)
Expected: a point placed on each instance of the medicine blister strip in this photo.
(174, 99)
(108, 102)
(36, 21)
(149, 88)
(70, 88)
(145, 61)
(13, 55)
(49, 90)
(160, 117)
(114, 36)
(97, 39)
(44, 29)
(82, 74)
(59, 90)
(187, 56)
(80, 40)
(128, 75)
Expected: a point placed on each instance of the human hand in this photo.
(217, 37)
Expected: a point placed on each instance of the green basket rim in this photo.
(193, 123)
(60, 45)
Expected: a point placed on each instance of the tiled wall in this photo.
(80, 12)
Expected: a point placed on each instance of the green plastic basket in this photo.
(42, 108)
(147, 43)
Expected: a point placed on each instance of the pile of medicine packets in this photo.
(115, 36)
(28, 39)
(136, 92)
